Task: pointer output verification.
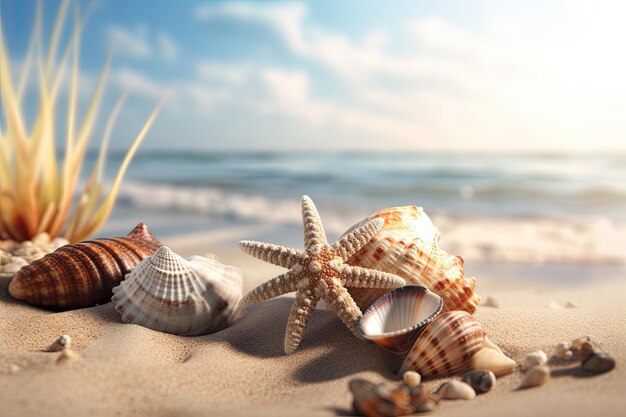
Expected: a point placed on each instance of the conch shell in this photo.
(82, 274)
(408, 246)
(446, 346)
(179, 296)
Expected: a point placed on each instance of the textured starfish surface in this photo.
(318, 272)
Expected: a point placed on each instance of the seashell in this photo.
(396, 319)
(61, 343)
(408, 246)
(411, 378)
(445, 346)
(67, 356)
(456, 390)
(481, 381)
(489, 359)
(537, 358)
(179, 296)
(390, 400)
(82, 274)
(536, 376)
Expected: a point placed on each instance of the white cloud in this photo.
(136, 82)
(131, 42)
(235, 74)
(166, 46)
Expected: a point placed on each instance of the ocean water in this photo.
(551, 208)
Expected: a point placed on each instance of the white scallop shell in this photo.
(168, 293)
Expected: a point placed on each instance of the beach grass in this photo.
(37, 186)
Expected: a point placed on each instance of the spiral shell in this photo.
(82, 274)
(408, 246)
(445, 346)
(179, 296)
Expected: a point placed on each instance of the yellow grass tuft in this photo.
(36, 189)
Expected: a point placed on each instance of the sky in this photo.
(450, 75)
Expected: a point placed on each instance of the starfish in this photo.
(318, 272)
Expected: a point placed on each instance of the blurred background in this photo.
(504, 120)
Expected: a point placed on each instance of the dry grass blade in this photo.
(37, 190)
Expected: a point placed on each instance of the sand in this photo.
(128, 370)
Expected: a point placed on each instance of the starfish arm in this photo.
(314, 235)
(280, 285)
(355, 240)
(299, 316)
(346, 309)
(358, 277)
(274, 254)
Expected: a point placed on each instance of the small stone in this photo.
(41, 239)
(599, 362)
(491, 302)
(536, 376)
(411, 379)
(578, 342)
(57, 242)
(67, 356)
(586, 350)
(488, 359)
(12, 268)
(562, 350)
(5, 257)
(481, 381)
(569, 304)
(63, 342)
(537, 358)
(456, 390)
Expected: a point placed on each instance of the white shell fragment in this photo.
(179, 296)
(537, 358)
(563, 351)
(536, 376)
(61, 343)
(491, 360)
(456, 390)
(411, 379)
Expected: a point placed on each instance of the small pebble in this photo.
(61, 343)
(411, 379)
(536, 376)
(488, 359)
(569, 304)
(491, 302)
(537, 358)
(13, 267)
(562, 349)
(578, 342)
(41, 239)
(67, 356)
(456, 390)
(481, 381)
(599, 362)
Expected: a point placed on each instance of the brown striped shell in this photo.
(83, 274)
(408, 246)
(446, 346)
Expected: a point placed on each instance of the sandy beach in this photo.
(128, 370)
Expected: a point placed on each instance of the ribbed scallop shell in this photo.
(179, 296)
(82, 274)
(397, 318)
(445, 346)
(408, 246)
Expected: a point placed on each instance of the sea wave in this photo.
(536, 239)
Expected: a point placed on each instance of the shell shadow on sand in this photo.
(261, 333)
